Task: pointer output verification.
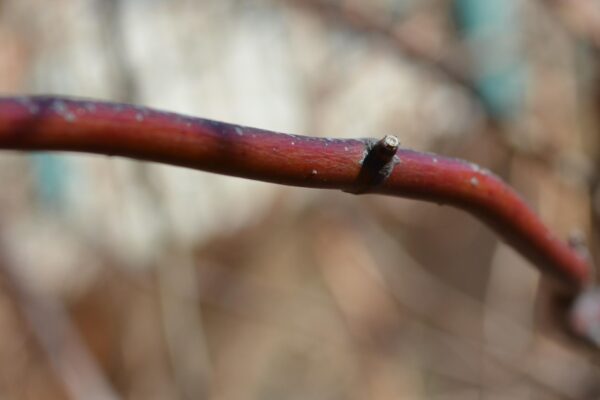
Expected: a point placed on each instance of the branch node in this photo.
(378, 163)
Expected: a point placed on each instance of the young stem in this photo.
(352, 165)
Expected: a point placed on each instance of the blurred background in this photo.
(129, 280)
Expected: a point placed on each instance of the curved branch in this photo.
(352, 165)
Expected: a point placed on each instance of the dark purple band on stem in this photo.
(54, 123)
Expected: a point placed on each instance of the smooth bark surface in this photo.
(53, 123)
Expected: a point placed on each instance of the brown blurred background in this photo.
(129, 280)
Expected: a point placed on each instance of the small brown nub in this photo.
(377, 165)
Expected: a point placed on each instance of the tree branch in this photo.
(352, 165)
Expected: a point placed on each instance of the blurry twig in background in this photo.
(382, 293)
(55, 333)
(182, 323)
(179, 298)
(582, 18)
(403, 36)
(181, 311)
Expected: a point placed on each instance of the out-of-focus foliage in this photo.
(123, 279)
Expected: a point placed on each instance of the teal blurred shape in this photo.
(493, 34)
(51, 174)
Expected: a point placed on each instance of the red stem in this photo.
(52, 123)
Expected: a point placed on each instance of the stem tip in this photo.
(389, 144)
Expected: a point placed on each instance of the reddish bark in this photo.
(48, 123)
